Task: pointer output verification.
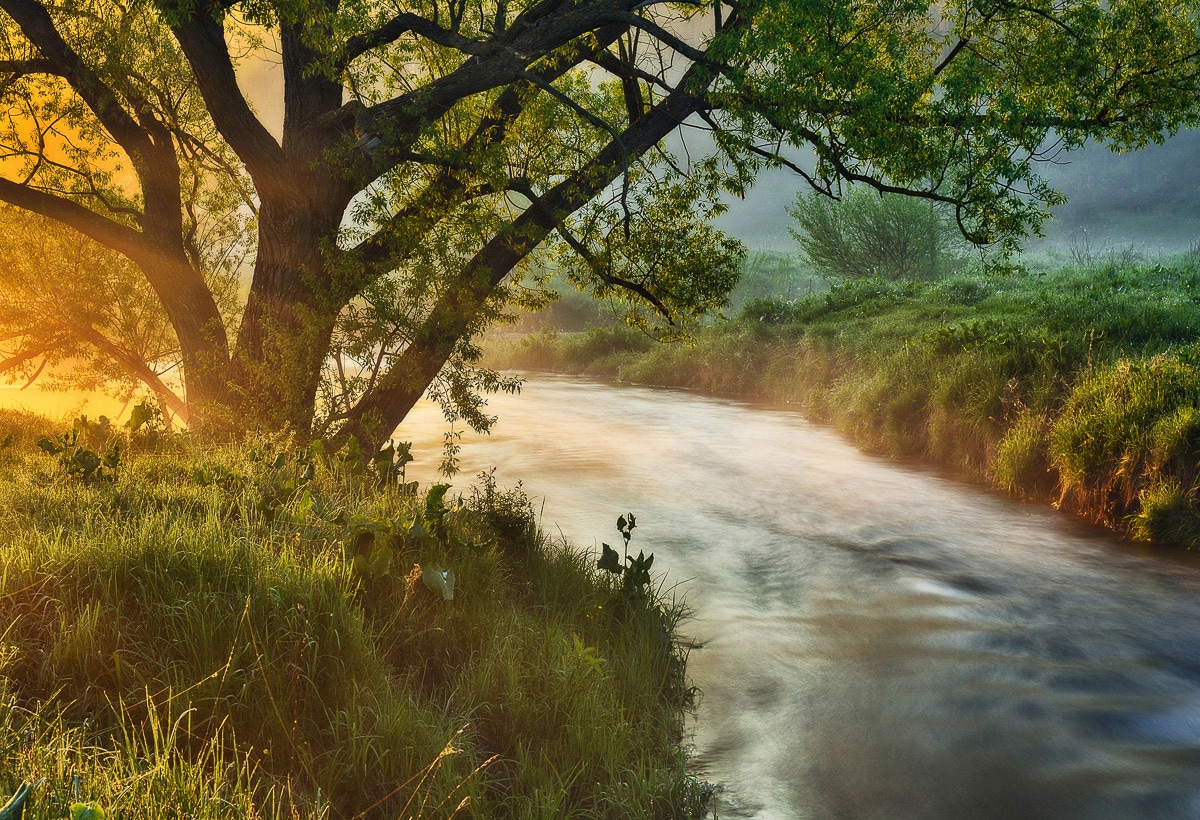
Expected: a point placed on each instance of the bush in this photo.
(1126, 428)
(865, 234)
(219, 629)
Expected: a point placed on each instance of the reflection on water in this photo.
(879, 641)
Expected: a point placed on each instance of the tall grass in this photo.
(194, 639)
(1077, 385)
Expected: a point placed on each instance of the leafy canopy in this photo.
(437, 159)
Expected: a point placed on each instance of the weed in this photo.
(200, 640)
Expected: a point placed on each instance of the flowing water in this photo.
(879, 641)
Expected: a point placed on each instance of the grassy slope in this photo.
(1080, 386)
(176, 644)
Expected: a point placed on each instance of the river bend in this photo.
(879, 641)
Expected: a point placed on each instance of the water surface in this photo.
(879, 641)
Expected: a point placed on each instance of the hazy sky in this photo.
(1139, 200)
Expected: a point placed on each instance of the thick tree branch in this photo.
(375, 255)
(29, 354)
(135, 366)
(407, 23)
(36, 65)
(458, 308)
(203, 42)
(111, 234)
(36, 24)
(399, 119)
(696, 55)
(602, 271)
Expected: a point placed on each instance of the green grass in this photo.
(1076, 385)
(195, 640)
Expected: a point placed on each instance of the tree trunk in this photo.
(288, 321)
(200, 330)
(373, 419)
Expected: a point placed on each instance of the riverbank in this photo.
(1079, 387)
(275, 632)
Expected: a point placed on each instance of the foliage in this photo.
(1131, 428)
(865, 234)
(774, 275)
(634, 572)
(427, 159)
(1077, 385)
(170, 650)
(80, 461)
(91, 450)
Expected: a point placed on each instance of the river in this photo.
(878, 641)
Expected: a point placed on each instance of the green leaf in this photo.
(403, 453)
(15, 807)
(439, 580)
(49, 446)
(435, 504)
(352, 457)
(87, 460)
(280, 461)
(86, 811)
(609, 560)
(383, 461)
(381, 561)
(142, 414)
(588, 657)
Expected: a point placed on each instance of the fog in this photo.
(1144, 200)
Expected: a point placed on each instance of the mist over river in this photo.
(879, 641)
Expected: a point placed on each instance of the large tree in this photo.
(431, 148)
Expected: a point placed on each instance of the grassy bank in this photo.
(1080, 385)
(272, 633)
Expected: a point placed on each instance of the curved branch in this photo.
(587, 256)
(203, 42)
(36, 24)
(460, 305)
(111, 234)
(36, 65)
(696, 55)
(18, 359)
(407, 23)
(136, 367)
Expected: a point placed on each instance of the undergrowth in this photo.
(272, 632)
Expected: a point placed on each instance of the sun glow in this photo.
(59, 404)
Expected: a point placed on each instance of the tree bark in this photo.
(289, 318)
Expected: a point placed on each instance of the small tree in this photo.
(867, 234)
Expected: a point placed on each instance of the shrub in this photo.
(1128, 427)
(866, 234)
(173, 628)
